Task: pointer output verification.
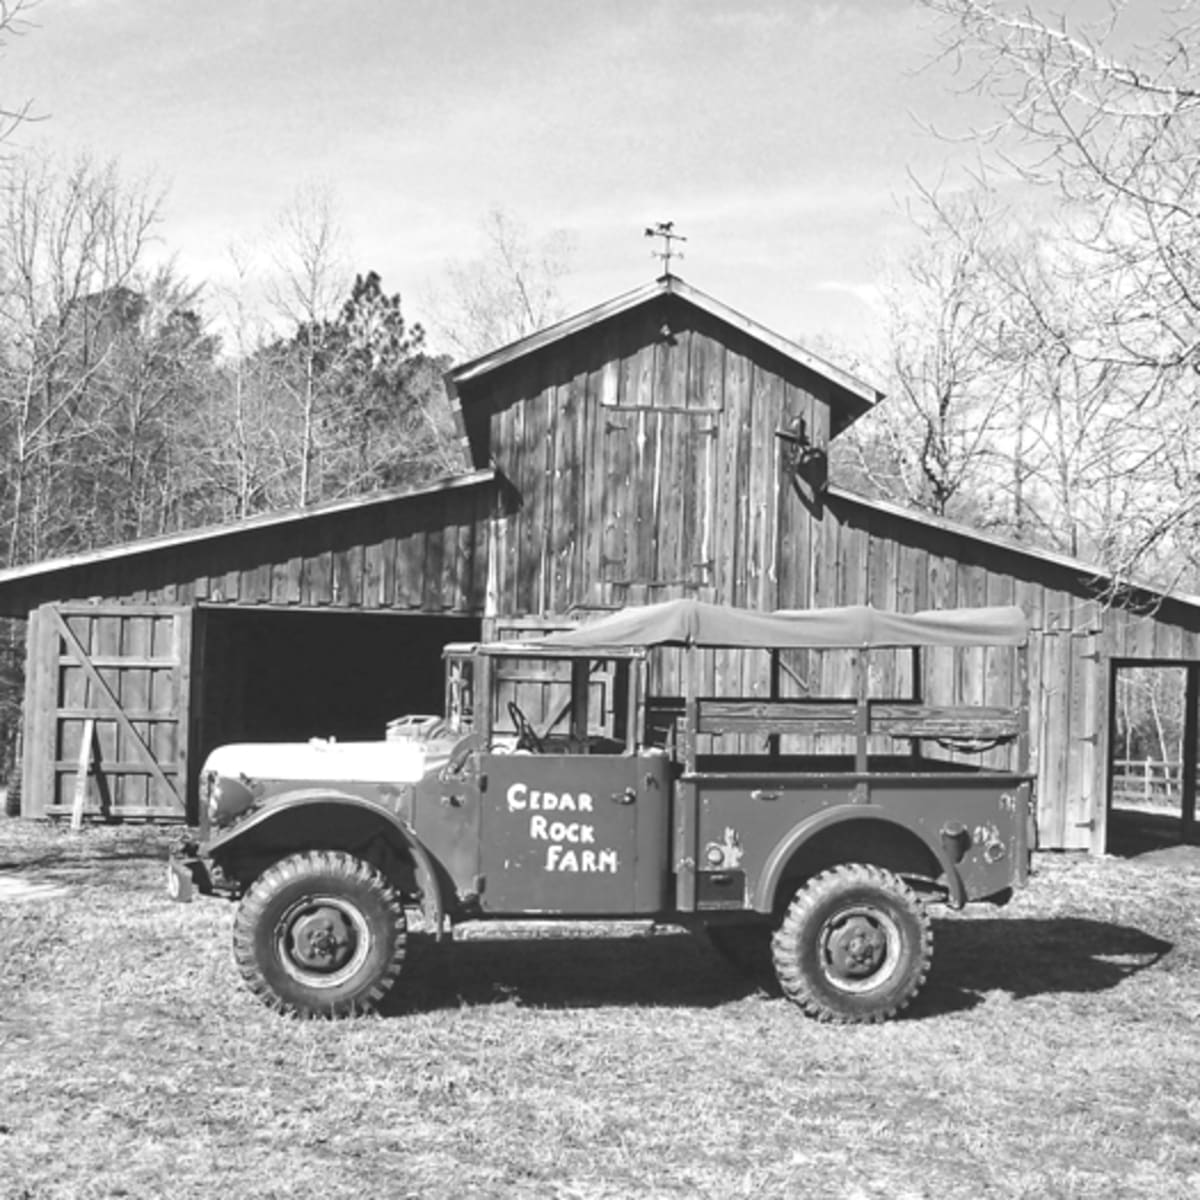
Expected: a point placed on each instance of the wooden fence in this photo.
(1147, 783)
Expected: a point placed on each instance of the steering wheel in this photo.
(527, 737)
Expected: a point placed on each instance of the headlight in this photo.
(224, 798)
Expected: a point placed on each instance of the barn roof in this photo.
(12, 579)
(852, 395)
(1084, 575)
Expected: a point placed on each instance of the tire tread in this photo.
(327, 864)
(786, 945)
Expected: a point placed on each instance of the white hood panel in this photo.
(400, 761)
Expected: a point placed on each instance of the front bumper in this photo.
(187, 873)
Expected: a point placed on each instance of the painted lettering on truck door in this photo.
(561, 833)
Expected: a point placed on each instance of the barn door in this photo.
(1072, 740)
(106, 704)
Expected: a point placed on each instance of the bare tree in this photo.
(934, 444)
(247, 462)
(1117, 333)
(511, 289)
(14, 22)
(70, 242)
(311, 278)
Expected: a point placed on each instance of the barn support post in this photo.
(1191, 728)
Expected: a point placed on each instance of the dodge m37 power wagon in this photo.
(807, 833)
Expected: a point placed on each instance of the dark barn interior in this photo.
(271, 675)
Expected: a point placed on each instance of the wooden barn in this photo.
(658, 445)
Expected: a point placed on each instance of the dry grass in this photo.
(1053, 1053)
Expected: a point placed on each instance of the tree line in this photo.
(134, 403)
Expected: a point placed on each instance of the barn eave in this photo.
(16, 582)
(1083, 576)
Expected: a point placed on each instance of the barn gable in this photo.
(644, 441)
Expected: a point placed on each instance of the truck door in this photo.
(574, 833)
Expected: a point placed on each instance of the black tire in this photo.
(320, 934)
(854, 945)
(745, 947)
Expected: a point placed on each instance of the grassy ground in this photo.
(1054, 1053)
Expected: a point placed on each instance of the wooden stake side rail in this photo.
(897, 719)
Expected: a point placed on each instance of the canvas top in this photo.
(696, 623)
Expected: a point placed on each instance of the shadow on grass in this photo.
(659, 970)
(1023, 958)
(56, 854)
(1135, 832)
(1031, 957)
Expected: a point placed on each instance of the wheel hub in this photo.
(856, 948)
(322, 940)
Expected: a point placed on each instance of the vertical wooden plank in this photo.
(1056, 690)
(1078, 792)
(180, 651)
(166, 703)
(739, 385)
(763, 473)
(618, 434)
(727, 541)
(41, 682)
(646, 483)
(532, 481)
(108, 643)
(314, 578)
(133, 792)
(387, 579)
(432, 572)
(564, 480)
(476, 598)
(74, 692)
(674, 543)
(83, 769)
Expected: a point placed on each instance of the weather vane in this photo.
(665, 230)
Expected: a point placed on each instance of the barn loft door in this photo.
(107, 691)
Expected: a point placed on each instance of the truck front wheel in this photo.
(854, 945)
(320, 934)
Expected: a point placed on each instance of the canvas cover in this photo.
(695, 623)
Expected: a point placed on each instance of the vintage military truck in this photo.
(810, 833)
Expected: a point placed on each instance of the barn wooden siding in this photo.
(663, 452)
(423, 551)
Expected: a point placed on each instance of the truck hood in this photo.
(397, 761)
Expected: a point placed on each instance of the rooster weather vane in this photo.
(666, 231)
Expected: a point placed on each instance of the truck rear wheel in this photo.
(854, 945)
(320, 934)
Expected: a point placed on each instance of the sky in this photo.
(781, 136)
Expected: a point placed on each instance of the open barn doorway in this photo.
(283, 675)
(1153, 761)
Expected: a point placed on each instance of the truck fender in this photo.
(433, 906)
(777, 861)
